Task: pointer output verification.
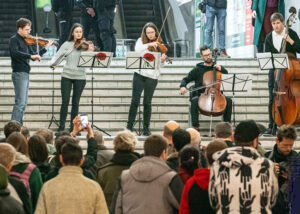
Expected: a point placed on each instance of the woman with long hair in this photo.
(144, 79)
(72, 75)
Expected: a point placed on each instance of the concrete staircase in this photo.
(112, 95)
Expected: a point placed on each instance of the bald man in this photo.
(169, 128)
(195, 137)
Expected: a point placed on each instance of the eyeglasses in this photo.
(207, 55)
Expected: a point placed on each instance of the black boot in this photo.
(146, 131)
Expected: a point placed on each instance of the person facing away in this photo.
(70, 191)
(169, 128)
(240, 180)
(149, 185)
(124, 145)
(223, 130)
(8, 204)
(194, 197)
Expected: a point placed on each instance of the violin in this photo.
(82, 44)
(161, 48)
(212, 102)
(32, 40)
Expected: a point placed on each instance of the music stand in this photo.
(269, 61)
(92, 60)
(53, 64)
(236, 83)
(144, 63)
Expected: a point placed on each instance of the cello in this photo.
(212, 102)
(286, 104)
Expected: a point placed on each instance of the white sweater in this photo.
(143, 48)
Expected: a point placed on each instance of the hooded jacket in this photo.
(195, 194)
(242, 182)
(109, 173)
(151, 185)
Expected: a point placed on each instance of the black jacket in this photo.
(20, 53)
(62, 6)
(221, 4)
(295, 48)
(197, 74)
(100, 5)
(22, 193)
(8, 204)
(83, 4)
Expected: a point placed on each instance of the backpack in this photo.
(24, 176)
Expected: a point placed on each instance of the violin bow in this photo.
(163, 25)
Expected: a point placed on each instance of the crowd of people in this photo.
(174, 173)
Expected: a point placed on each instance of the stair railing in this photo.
(121, 8)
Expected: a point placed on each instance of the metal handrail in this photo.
(122, 17)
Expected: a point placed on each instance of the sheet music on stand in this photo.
(269, 61)
(91, 59)
(145, 60)
(236, 83)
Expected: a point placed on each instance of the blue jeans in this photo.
(21, 85)
(210, 14)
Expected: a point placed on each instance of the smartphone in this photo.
(84, 120)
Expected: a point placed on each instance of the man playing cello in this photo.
(196, 75)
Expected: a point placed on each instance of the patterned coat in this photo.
(242, 182)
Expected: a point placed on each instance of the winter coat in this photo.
(260, 6)
(109, 173)
(35, 180)
(242, 182)
(89, 160)
(148, 186)
(71, 192)
(8, 204)
(194, 198)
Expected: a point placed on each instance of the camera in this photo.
(84, 120)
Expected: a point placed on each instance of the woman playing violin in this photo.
(72, 76)
(196, 75)
(144, 79)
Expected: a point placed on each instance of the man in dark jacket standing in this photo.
(149, 182)
(20, 54)
(88, 19)
(64, 11)
(216, 8)
(105, 18)
(196, 75)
